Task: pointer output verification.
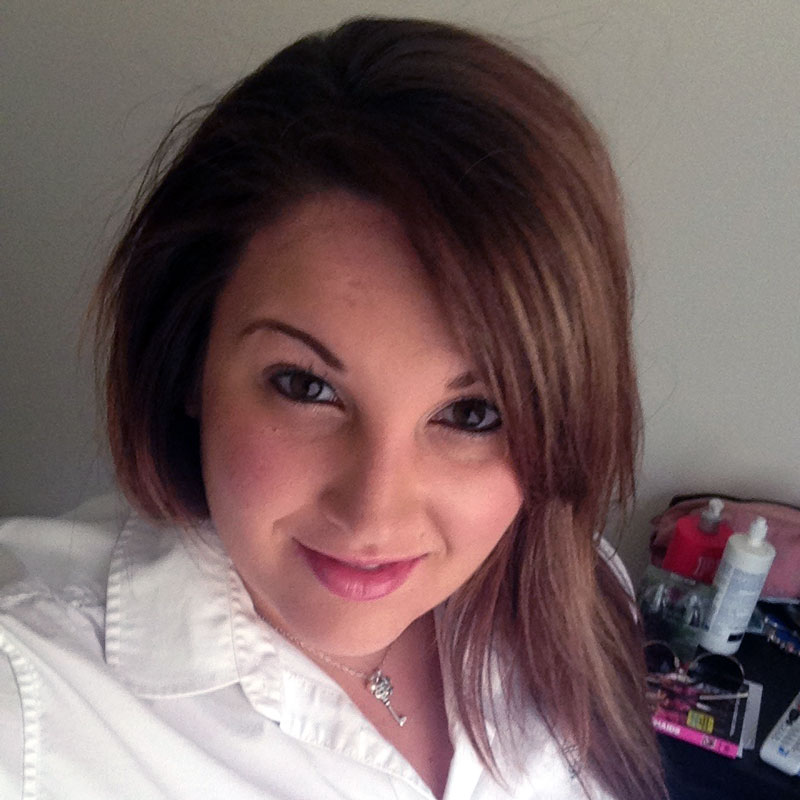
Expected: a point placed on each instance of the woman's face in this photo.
(355, 471)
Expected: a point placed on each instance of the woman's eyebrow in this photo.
(289, 330)
(462, 381)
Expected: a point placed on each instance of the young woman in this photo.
(370, 393)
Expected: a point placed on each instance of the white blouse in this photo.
(133, 665)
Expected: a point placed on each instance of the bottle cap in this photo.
(758, 531)
(710, 517)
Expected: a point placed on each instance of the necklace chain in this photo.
(376, 682)
(323, 656)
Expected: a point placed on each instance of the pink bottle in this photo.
(696, 548)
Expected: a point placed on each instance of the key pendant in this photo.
(381, 688)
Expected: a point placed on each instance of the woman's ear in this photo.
(192, 401)
(192, 405)
(192, 409)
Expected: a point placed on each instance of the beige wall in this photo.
(701, 104)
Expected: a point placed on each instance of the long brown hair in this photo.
(506, 191)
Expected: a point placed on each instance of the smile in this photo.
(368, 580)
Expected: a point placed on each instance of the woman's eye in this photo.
(303, 387)
(471, 416)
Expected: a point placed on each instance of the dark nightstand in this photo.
(697, 774)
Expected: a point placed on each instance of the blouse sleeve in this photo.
(611, 557)
(12, 756)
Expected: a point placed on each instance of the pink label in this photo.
(686, 734)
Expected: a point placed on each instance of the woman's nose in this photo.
(376, 499)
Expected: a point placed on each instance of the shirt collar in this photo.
(179, 622)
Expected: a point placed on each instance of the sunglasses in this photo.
(723, 674)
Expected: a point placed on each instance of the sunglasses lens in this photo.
(722, 671)
(659, 658)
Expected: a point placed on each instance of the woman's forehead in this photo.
(337, 261)
(332, 242)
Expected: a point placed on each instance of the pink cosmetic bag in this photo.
(783, 531)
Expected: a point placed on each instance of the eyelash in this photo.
(286, 371)
(290, 372)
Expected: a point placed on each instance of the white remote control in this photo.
(781, 748)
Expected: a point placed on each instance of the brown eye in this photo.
(301, 386)
(473, 415)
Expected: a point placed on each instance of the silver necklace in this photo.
(377, 682)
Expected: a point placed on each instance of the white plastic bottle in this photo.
(739, 580)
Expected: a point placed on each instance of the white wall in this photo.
(700, 102)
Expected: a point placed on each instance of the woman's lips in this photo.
(367, 581)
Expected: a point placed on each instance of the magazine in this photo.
(700, 713)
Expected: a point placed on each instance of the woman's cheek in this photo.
(480, 504)
(265, 467)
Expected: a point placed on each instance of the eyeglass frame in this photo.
(682, 670)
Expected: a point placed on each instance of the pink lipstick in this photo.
(361, 581)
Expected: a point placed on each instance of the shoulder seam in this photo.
(610, 555)
(28, 687)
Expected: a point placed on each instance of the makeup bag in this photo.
(783, 532)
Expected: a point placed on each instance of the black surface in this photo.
(697, 774)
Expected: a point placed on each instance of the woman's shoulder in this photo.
(72, 551)
(53, 576)
(609, 553)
